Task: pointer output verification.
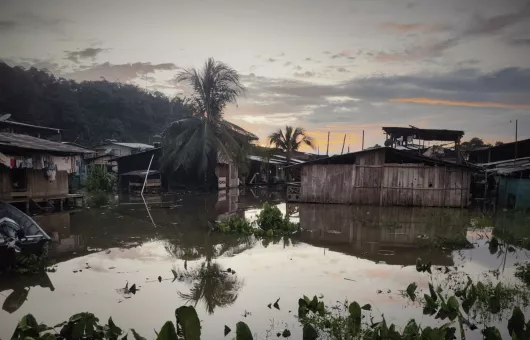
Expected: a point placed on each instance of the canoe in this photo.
(19, 233)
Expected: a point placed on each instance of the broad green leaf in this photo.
(411, 291)
(452, 303)
(309, 332)
(242, 331)
(491, 333)
(355, 310)
(314, 303)
(189, 322)
(411, 331)
(168, 332)
(433, 293)
(516, 323)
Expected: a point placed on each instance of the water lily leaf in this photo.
(136, 335)
(168, 332)
(189, 322)
(227, 330)
(286, 333)
(243, 332)
(355, 310)
(366, 307)
(309, 332)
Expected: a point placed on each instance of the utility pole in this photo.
(363, 142)
(515, 158)
(327, 148)
(343, 142)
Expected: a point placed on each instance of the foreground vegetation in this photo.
(99, 183)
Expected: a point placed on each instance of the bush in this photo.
(271, 220)
(99, 180)
(235, 224)
(98, 199)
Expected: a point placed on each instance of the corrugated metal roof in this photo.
(135, 145)
(25, 142)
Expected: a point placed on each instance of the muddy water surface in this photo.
(365, 254)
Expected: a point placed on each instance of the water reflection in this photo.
(20, 286)
(211, 284)
(394, 235)
(374, 246)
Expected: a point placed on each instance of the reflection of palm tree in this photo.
(210, 283)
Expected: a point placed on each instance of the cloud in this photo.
(478, 27)
(119, 72)
(520, 41)
(308, 59)
(271, 60)
(287, 63)
(326, 52)
(431, 101)
(306, 74)
(298, 67)
(7, 25)
(90, 52)
(342, 54)
(406, 28)
(342, 70)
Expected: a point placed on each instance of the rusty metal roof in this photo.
(14, 141)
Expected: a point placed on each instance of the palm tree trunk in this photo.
(288, 172)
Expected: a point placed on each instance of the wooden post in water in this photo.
(327, 148)
(343, 142)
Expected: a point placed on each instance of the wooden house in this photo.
(383, 176)
(132, 170)
(36, 170)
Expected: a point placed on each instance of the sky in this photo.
(342, 66)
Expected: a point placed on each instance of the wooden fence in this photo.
(388, 184)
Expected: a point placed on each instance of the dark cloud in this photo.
(308, 59)
(342, 54)
(478, 27)
(468, 62)
(90, 52)
(306, 74)
(119, 72)
(271, 60)
(7, 25)
(342, 70)
(520, 41)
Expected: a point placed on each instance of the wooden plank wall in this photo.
(40, 186)
(388, 184)
(5, 184)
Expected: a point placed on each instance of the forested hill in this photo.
(88, 112)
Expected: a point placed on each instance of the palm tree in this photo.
(197, 141)
(290, 140)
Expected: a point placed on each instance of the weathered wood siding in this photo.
(388, 184)
(37, 184)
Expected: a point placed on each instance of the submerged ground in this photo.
(367, 254)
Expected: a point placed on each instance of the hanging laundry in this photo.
(63, 164)
(26, 163)
(5, 160)
(50, 174)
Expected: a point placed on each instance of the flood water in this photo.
(366, 254)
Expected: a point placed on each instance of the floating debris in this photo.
(227, 330)
(160, 279)
(276, 305)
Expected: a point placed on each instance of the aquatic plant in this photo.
(270, 223)
(522, 272)
(99, 179)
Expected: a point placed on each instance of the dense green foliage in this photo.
(270, 222)
(89, 111)
(100, 184)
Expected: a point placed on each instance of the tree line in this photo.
(90, 111)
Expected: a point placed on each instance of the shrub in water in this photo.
(270, 218)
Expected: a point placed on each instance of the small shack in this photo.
(132, 170)
(413, 139)
(36, 170)
(383, 176)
